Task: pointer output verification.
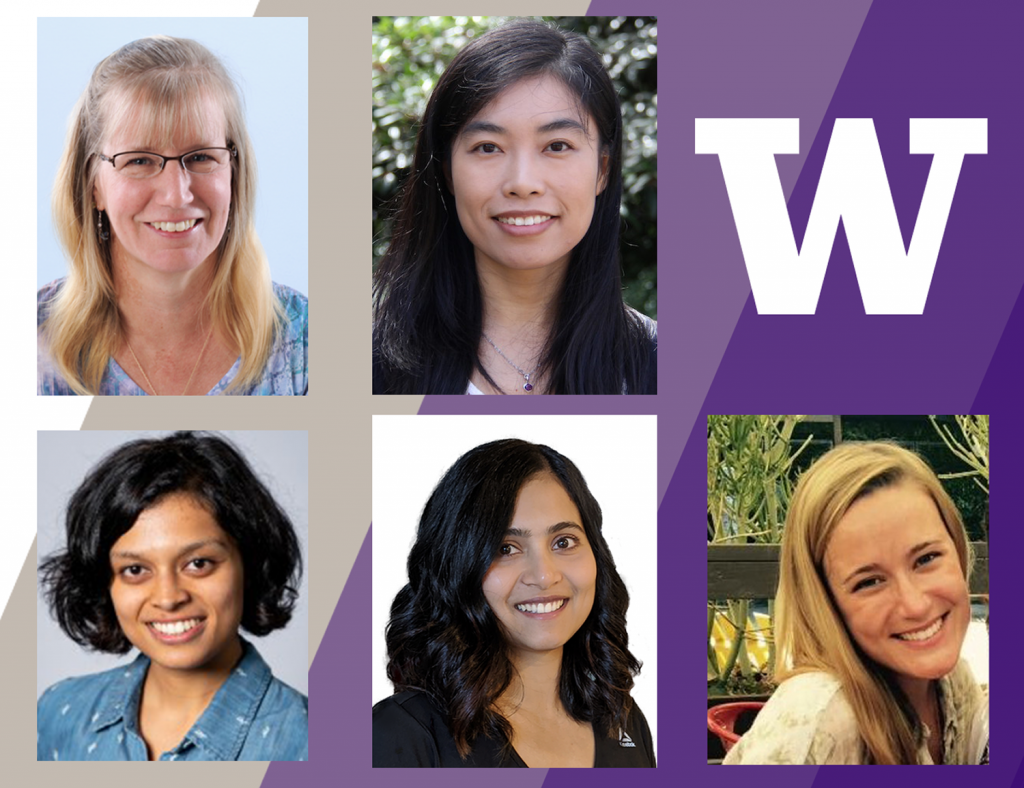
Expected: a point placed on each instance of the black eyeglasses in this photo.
(142, 164)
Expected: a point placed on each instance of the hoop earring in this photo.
(103, 234)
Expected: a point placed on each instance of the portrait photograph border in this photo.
(617, 456)
(279, 459)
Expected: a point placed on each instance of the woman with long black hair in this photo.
(502, 275)
(508, 645)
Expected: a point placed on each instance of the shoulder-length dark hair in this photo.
(136, 477)
(444, 638)
(427, 318)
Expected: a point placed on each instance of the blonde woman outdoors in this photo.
(168, 289)
(872, 611)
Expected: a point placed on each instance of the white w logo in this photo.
(852, 186)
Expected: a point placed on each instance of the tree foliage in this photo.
(409, 55)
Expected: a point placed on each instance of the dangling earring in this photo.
(103, 234)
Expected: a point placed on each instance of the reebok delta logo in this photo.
(624, 740)
(852, 186)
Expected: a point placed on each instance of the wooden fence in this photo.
(751, 571)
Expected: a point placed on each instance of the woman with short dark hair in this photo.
(503, 271)
(508, 646)
(173, 544)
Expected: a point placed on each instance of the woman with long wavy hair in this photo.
(503, 274)
(508, 646)
(871, 614)
(168, 288)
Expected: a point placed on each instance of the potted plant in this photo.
(750, 461)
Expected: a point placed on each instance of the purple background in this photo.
(816, 61)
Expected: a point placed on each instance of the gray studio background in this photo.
(279, 459)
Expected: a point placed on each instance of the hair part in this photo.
(444, 639)
(428, 307)
(140, 475)
(159, 88)
(810, 633)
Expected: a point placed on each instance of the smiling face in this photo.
(177, 587)
(541, 585)
(144, 214)
(525, 173)
(895, 575)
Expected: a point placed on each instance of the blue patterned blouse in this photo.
(286, 371)
(253, 717)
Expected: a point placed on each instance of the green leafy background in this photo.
(409, 55)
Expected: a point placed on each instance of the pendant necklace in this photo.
(527, 386)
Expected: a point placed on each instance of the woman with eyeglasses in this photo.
(503, 274)
(168, 289)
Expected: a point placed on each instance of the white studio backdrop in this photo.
(617, 456)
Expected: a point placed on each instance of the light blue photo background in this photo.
(268, 59)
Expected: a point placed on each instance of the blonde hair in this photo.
(809, 630)
(160, 86)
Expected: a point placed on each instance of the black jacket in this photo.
(410, 730)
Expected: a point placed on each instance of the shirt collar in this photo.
(121, 701)
(225, 724)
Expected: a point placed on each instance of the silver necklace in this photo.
(144, 375)
(527, 385)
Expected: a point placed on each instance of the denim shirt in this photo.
(253, 717)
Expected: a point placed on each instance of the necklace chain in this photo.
(527, 386)
(189, 383)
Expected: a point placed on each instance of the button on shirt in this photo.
(253, 717)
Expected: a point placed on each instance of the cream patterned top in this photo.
(809, 721)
